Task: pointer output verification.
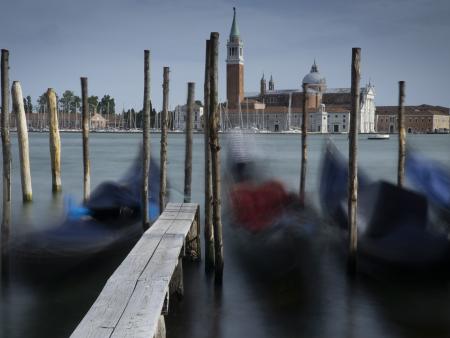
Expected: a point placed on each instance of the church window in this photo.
(240, 51)
(343, 126)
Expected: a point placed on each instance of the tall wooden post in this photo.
(146, 142)
(163, 154)
(55, 141)
(209, 230)
(304, 146)
(6, 149)
(215, 156)
(188, 148)
(22, 135)
(401, 134)
(85, 124)
(353, 156)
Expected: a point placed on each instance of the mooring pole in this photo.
(215, 157)
(353, 155)
(401, 134)
(146, 142)
(55, 141)
(163, 153)
(304, 145)
(188, 148)
(85, 125)
(6, 149)
(22, 135)
(209, 230)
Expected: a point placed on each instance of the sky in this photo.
(53, 43)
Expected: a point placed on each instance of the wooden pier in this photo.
(136, 296)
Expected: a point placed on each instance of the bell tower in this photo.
(235, 66)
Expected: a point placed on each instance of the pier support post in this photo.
(163, 153)
(85, 125)
(215, 157)
(304, 146)
(6, 150)
(209, 231)
(146, 142)
(188, 148)
(353, 157)
(22, 135)
(176, 287)
(161, 330)
(401, 134)
(193, 246)
(55, 141)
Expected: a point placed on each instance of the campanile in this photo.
(235, 66)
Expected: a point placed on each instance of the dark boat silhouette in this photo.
(270, 227)
(106, 226)
(433, 180)
(394, 234)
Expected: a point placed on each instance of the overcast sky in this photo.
(54, 42)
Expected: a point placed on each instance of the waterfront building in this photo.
(98, 121)
(179, 117)
(418, 119)
(280, 110)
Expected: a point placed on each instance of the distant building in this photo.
(179, 117)
(278, 110)
(98, 121)
(418, 119)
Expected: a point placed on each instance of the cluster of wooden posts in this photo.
(353, 151)
(213, 225)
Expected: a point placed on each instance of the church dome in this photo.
(314, 77)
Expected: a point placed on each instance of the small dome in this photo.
(314, 77)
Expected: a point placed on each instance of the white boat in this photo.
(378, 137)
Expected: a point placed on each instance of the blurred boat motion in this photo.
(107, 225)
(395, 235)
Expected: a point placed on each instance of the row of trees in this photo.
(69, 102)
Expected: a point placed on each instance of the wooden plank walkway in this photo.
(131, 303)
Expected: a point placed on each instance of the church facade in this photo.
(278, 110)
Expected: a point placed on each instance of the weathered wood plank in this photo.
(130, 304)
(140, 318)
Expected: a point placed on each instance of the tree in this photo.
(29, 105)
(42, 103)
(76, 104)
(93, 101)
(107, 105)
(66, 100)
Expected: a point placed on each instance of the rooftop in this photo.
(423, 109)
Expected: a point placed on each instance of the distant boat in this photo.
(378, 137)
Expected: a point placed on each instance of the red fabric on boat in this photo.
(255, 207)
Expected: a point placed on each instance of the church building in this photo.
(280, 110)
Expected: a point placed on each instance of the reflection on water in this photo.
(320, 301)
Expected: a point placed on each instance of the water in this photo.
(323, 303)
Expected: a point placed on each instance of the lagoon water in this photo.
(324, 303)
